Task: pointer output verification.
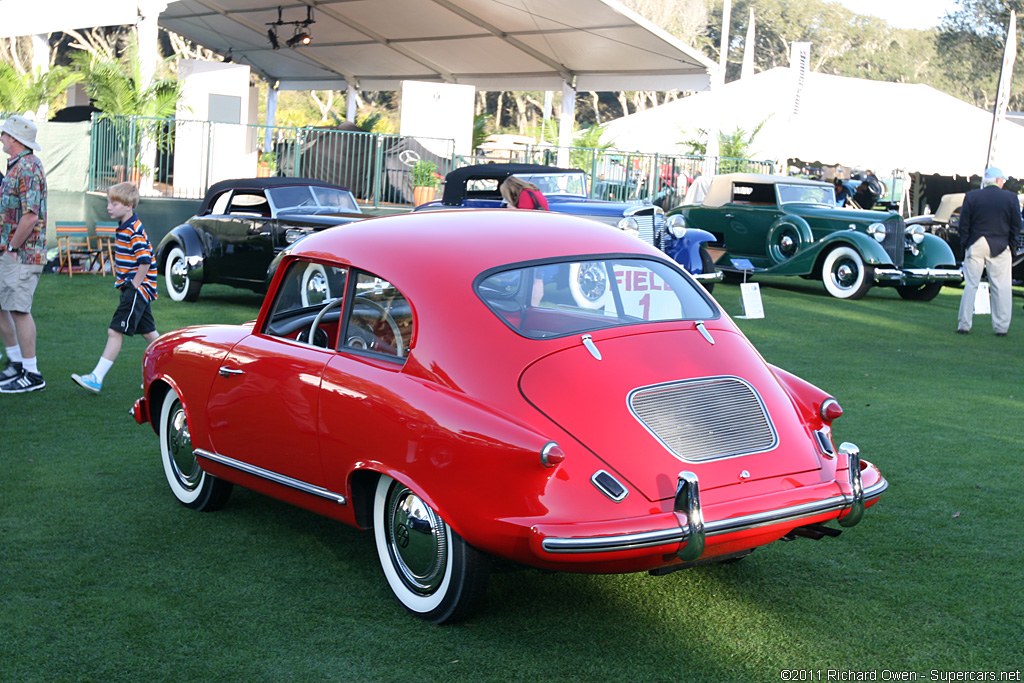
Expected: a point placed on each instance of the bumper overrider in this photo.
(690, 537)
(708, 277)
(918, 275)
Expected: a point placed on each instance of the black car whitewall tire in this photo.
(179, 286)
(435, 574)
(192, 486)
(845, 275)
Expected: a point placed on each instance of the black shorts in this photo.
(133, 313)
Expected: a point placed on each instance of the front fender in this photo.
(186, 237)
(685, 250)
(933, 252)
(871, 251)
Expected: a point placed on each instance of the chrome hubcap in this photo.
(316, 289)
(846, 275)
(593, 281)
(416, 539)
(179, 445)
(179, 275)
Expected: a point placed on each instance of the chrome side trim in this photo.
(601, 544)
(272, 476)
(934, 273)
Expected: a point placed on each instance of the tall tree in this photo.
(970, 45)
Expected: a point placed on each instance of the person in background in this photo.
(521, 194)
(842, 194)
(22, 254)
(134, 276)
(990, 222)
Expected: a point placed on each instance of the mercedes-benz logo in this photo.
(409, 157)
(402, 536)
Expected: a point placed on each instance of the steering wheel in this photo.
(332, 304)
(387, 318)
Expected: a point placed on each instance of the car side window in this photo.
(308, 304)
(219, 207)
(753, 193)
(380, 318)
(249, 204)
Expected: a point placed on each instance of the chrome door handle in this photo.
(225, 371)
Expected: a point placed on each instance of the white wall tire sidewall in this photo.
(420, 604)
(186, 496)
(176, 253)
(830, 260)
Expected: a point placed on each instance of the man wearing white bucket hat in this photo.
(22, 253)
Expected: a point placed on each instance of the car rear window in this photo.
(547, 300)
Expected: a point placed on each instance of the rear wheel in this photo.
(433, 572)
(845, 275)
(189, 483)
(920, 292)
(179, 286)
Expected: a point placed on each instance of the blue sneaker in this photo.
(88, 382)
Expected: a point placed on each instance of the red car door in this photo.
(264, 404)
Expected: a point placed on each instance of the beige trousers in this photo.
(977, 260)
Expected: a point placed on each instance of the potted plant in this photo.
(424, 181)
(267, 166)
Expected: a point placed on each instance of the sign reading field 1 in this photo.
(438, 112)
(750, 299)
(645, 295)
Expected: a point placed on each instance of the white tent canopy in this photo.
(491, 44)
(842, 121)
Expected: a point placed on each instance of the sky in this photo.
(920, 14)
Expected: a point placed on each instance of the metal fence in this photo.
(182, 158)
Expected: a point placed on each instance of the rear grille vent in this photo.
(705, 419)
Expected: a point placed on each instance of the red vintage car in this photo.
(510, 395)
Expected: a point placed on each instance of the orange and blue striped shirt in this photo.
(132, 250)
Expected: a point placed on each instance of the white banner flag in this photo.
(1003, 93)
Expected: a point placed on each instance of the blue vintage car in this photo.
(476, 187)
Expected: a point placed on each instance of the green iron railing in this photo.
(182, 158)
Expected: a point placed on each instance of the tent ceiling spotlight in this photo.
(302, 35)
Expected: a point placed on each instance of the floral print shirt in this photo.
(23, 191)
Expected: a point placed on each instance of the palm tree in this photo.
(116, 86)
(20, 93)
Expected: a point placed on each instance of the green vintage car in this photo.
(791, 226)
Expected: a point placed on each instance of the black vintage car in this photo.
(242, 225)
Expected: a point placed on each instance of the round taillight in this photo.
(551, 454)
(830, 410)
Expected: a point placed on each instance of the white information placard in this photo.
(982, 300)
(750, 299)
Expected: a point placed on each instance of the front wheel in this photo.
(925, 292)
(192, 486)
(845, 275)
(433, 572)
(180, 287)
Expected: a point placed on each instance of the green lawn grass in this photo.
(105, 577)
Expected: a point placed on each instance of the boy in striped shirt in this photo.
(134, 277)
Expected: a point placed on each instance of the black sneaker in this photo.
(11, 370)
(24, 382)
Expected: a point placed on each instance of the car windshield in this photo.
(573, 184)
(312, 197)
(822, 195)
(547, 300)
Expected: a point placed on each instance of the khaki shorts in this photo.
(17, 283)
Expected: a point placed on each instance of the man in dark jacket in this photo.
(989, 224)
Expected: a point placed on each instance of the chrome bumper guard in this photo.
(706, 277)
(918, 274)
(696, 530)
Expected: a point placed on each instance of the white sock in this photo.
(29, 365)
(13, 353)
(101, 369)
